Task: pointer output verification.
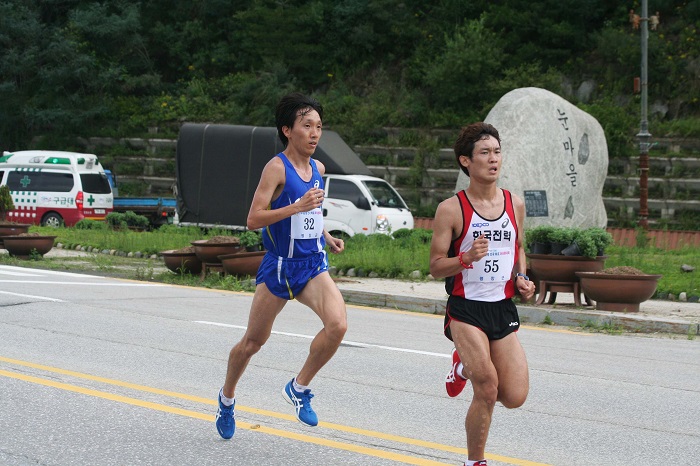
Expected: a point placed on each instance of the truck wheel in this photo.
(52, 220)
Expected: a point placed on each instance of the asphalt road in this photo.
(103, 371)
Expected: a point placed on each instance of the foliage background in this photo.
(88, 68)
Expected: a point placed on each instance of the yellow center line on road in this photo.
(261, 412)
(210, 418)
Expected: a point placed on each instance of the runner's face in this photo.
(486, 159)
(304, 135)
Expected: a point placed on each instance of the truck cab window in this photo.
(345, 190)
(384, 195)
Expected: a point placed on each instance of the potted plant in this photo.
(242, 264)
(6, 205)
(182, 261)
(539, 239)
(209, 250)
(561, 238)
(28, 245)
(555, 273)
(618, 288)
(601, 238)
(251, 240)
(582, 245)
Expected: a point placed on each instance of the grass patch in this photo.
(658, 261)
(386, 256)
(605, 327)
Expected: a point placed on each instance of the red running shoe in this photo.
(454, 383)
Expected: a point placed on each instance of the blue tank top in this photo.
(301, 234)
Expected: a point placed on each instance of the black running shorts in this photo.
(496, 320)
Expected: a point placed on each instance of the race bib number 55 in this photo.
(495, 267)
(307, 225)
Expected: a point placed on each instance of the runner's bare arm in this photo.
(525, 287)
(446, 226)
(269, 188)
(336, 245)
(320, 167)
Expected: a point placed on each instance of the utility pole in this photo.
(644, 136)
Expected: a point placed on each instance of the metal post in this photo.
(644, 136)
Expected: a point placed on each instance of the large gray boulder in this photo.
(555, 157)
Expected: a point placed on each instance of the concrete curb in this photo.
(535, 315)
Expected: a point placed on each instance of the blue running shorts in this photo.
(286, 277)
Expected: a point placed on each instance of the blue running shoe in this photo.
(225, 422)
(301, 403)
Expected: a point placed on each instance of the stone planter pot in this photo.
(24, 247)
(242, 263)
(618, 292)
(182, 262)
(12, 229)
(209, 253)
(563, 268)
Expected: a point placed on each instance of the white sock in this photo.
(471, 463)
(298, 388)
(458, 371)
(226, 401)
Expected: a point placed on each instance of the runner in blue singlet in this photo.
(287, 206)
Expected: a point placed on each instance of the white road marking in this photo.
(18, 274)
(45, 282)
(40, 272)
(33, 297)
(344, 342)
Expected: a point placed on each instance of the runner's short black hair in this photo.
(467, 139)
(290, 107)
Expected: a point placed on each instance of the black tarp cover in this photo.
(218, 168)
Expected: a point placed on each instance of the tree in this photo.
(6, 203)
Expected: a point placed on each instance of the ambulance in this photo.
(54, 188)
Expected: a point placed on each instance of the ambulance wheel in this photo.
(52, 219)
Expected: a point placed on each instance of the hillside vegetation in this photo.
(77, 68)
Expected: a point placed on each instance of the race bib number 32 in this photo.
(307, 225)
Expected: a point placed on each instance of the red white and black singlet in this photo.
(489, 279)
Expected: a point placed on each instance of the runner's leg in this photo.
(323, 296)
(263, 311)
(474, 351)
(509, 359)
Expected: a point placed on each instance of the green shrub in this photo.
(601, 238)
(116, 221)
(250, 239)
(563, 235)
(122, 221)
(135, 220)
(539, 234)
(585, 242)
(87, 224)
(422, 235)
(6, 203)
(401, 233)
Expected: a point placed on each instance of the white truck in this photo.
(218, 168)
(363, 204)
